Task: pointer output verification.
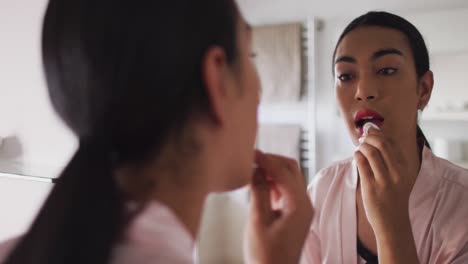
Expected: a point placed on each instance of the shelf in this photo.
(28, 171)
(26, 177)
(463, 164)
(461, 116)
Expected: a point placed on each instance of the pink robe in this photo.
(438, 210)
(156, 235)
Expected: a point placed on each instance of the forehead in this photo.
(364, 41)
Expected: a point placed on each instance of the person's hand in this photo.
(280, 212)
(387, 180)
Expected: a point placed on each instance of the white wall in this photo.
(20, 201)
(36, 141)
(35, 134)
(444, 29)
(450, 80)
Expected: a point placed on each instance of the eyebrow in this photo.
(384, 52)
(376, 55)
(345, 59)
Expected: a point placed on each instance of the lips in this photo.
(367, 115)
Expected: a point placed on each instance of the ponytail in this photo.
(82, 217)
(420, 135)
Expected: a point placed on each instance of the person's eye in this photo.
(345, 77)
(387, 71)
(253, 55)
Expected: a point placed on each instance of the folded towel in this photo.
(279, 61)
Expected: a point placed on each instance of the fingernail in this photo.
(361, 139)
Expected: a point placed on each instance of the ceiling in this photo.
(269, 10)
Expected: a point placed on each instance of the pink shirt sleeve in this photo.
(6, 247)
(311, 253)
(312, 248)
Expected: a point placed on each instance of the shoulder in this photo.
(450, 200)
(329, 180)
(453, 174)
(155, 235)
(7, 246)
(326, 176)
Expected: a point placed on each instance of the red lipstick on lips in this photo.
(364, 116)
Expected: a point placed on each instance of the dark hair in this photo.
(415, 39)
(124, 76)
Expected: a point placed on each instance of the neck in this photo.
(184, 188)
(411, 153)
(187, 205)
(182, 181)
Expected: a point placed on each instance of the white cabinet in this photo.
(20, 201)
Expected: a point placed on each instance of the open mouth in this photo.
(365, 116)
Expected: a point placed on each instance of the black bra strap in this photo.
(364, 253)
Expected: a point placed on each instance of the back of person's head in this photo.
(391, 21)
(124, 76)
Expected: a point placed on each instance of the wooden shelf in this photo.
(27, 177)
(28, 171)
(463, 164)
(461, 116)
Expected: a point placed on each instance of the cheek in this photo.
(252, 89)
(344, 99)
(254, 80)
(248, 104)
(405, 95)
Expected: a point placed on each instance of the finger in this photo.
(285, 174)
(298, 219)
(260, 200)
(386, 149)
(276, 198)
(374, 159)
(365, 171)
(280, 169)
(372, 130)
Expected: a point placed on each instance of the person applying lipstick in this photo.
(394, 201)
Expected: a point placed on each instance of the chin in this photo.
(236, 181)
(236, 184)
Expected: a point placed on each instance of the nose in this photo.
(366, 90)
(368, 98)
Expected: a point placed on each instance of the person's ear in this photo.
(426, 83)
(214, 69)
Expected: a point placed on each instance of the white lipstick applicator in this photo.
(368, 126)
